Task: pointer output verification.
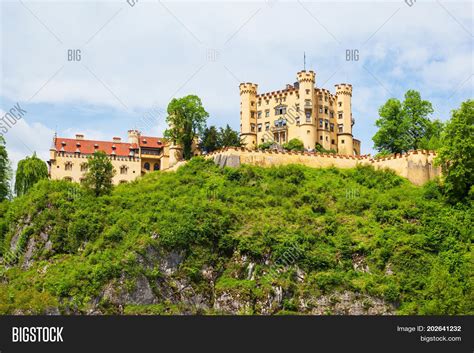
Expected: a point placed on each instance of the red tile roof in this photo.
(90, 146)
(148, 141)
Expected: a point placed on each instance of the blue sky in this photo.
(135, 58)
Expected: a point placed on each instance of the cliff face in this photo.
(244, 240)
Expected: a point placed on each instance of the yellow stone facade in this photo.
(312, 115)
(138, 156)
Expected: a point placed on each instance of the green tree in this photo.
(229, 137)
(4, 171)
(187, 121)
(210, 139)
(265, 145)
(456, 156)
(392, 134)
(294, 145)
(432, 140)
(29, 171)
(321, 149)
(100, 172)
(406, 126)
(416, 111)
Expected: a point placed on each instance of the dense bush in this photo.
(415, 246)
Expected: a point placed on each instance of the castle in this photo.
(312, 115)
(138, 156)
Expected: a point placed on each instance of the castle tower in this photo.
(134, 136)
(307, 110)
(344, 119)
(248, 114)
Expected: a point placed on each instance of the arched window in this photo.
(68, 166)
(123, 182)
(67, 178)
(84, 167)
(123, 169)
(147, 166)
(156, 166)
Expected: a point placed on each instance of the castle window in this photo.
(280, 110)
(252, 127)
(331, 126)
(339, 115)
(320, 123)
(267, 126)
(307, 103)
(327, 138)
(320, 138)
(267, 113)
(122, 181)
(297, 107)
(320, 98)
(340, 104)
(67, 178)
(259, 103)
(339, 127)
(259, 127)
(307, 131)
(321, 109)
(307, 91)
(84, 167)
(123, 169)
(146, 166)
(333, 142)
(259, 114)
(326, 124)
(331, 115)
(267, 102)
(308, 117)
(252, 115)
(325, 110)
(68, 166)
(325, 98)
(297, 120)
(252, 103)
(156, 166)
(342, 141)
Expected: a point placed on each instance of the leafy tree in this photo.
(187, 121)
(210, 139)
(416, 112)
(265, 145)
(29, 171)
(391, 136)
(321, 149)
(100, 172)
(294, 145)
(456, 156)
(406, 126)
(432, 140)
(229, 137)
(4, 171)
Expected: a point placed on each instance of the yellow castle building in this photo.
(138, 156)
(302, 111)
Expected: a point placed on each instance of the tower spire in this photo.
(304, 60)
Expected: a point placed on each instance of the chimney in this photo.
(79, 137)
(117, 139)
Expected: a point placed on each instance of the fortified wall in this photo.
(416, 166)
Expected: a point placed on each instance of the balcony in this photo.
(279, 128)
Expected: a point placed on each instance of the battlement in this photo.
(344, 88)
(417, 166)
(250, 88)
(306, 76)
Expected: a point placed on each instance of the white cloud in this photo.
(148, 52)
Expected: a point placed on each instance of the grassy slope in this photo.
(331, 215)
